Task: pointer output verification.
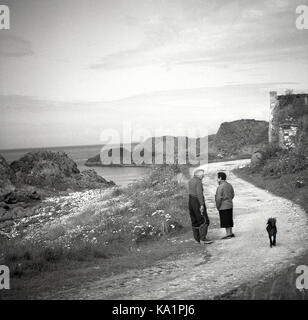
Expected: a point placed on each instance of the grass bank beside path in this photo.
(292, 186)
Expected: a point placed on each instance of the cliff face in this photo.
(239, 138)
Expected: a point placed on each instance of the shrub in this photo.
(270, 151)
(116, 192)
(52, 254)
(287, 162)
(55, 232)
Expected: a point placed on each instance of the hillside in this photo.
(240, 137)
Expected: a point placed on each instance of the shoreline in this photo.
(165, 164)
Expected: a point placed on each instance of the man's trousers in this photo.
(199, 221)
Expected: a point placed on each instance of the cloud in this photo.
(253, 51)
(248, 57)
(160, 34)
(14, 46)
(278, 4)
(121, 59)
(251, 33)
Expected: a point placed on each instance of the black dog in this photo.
(272, 231)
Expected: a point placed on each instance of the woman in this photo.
(224, 204)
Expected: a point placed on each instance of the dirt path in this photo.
(221, 266)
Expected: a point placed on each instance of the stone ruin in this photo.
(288, 119)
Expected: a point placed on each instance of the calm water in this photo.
(121, 176)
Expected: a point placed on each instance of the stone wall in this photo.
(273, 134)
(288, 123)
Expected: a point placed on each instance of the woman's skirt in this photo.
(226, 218)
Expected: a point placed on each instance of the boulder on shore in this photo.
(94, 161)
(25, 194)
(91, 180)
(256, 158)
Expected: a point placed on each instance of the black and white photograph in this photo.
(154, 151)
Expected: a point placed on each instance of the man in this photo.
(224, 204)
(197, 209)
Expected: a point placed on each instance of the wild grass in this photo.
(113, 224)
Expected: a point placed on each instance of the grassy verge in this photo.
(118, 226)
(65, 279)
(285, 185)
(280, 285)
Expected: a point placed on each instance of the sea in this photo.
(122, 176)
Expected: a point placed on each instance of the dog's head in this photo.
(271, 221)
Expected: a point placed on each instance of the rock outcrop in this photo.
(44, 169)
(89, 179)
(94, 161)
(36, 175)
(6, 177)
(56, 171)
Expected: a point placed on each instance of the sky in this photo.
(71, 69)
